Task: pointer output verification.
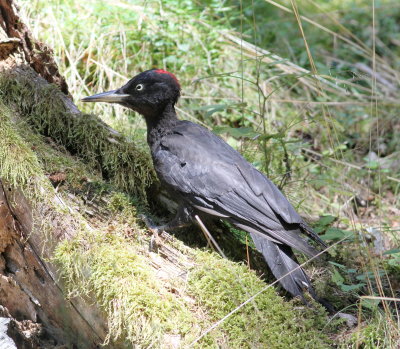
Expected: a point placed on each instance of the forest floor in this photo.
(315, 109)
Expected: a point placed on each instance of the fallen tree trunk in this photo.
(29, 285)
(31, 292)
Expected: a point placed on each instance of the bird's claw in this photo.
(155, 240)
(147, 221)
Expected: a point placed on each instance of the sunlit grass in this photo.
(316, 122)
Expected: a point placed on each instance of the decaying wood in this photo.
(30, 291)
(29, 286)
(36, 54)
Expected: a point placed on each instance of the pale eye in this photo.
(139, 87)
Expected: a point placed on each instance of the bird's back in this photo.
(213, 177)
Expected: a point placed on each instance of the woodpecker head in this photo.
(147, 93)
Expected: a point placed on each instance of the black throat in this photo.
(160, 124)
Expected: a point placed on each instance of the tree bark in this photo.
(29, 286)
(34, 311)
(36, 54)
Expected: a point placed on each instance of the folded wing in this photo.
(215, 178)
(212, 177)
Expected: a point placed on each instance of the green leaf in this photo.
(370, 303)
(268, 136)
(337, 278)
(212, 108)
(361, 277)
(333, 234)
(369, 275)
(347, 288)
(326, 220)
(341, 266)
(372, 165)
(327, 152)
(319, 229)
(341, 147)
(337, 234)
(392, 251)
(352, 270)
(394, 262)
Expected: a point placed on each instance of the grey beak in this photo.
(109, 97)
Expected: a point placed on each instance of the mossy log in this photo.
(30, 287)
(30, 292)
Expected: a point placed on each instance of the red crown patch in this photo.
(162, 71)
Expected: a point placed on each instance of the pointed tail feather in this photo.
(291, 238)
(312, 234)
(281, 261)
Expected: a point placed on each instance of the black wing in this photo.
(216, 179)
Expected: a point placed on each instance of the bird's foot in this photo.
(156, 230)
(155, 241)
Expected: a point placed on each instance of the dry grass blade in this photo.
(208, 236)
(288, 67)
(362, 48)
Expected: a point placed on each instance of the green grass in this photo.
(313, 132)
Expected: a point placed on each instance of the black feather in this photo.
(203, 172)
(219, 181)
(281, 261)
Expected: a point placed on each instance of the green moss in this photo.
(19, 165)
(118, 202)
(268, 322)
(143, 309)
(55, 159)
(368, 337)
(43, 107)
(139, 308)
